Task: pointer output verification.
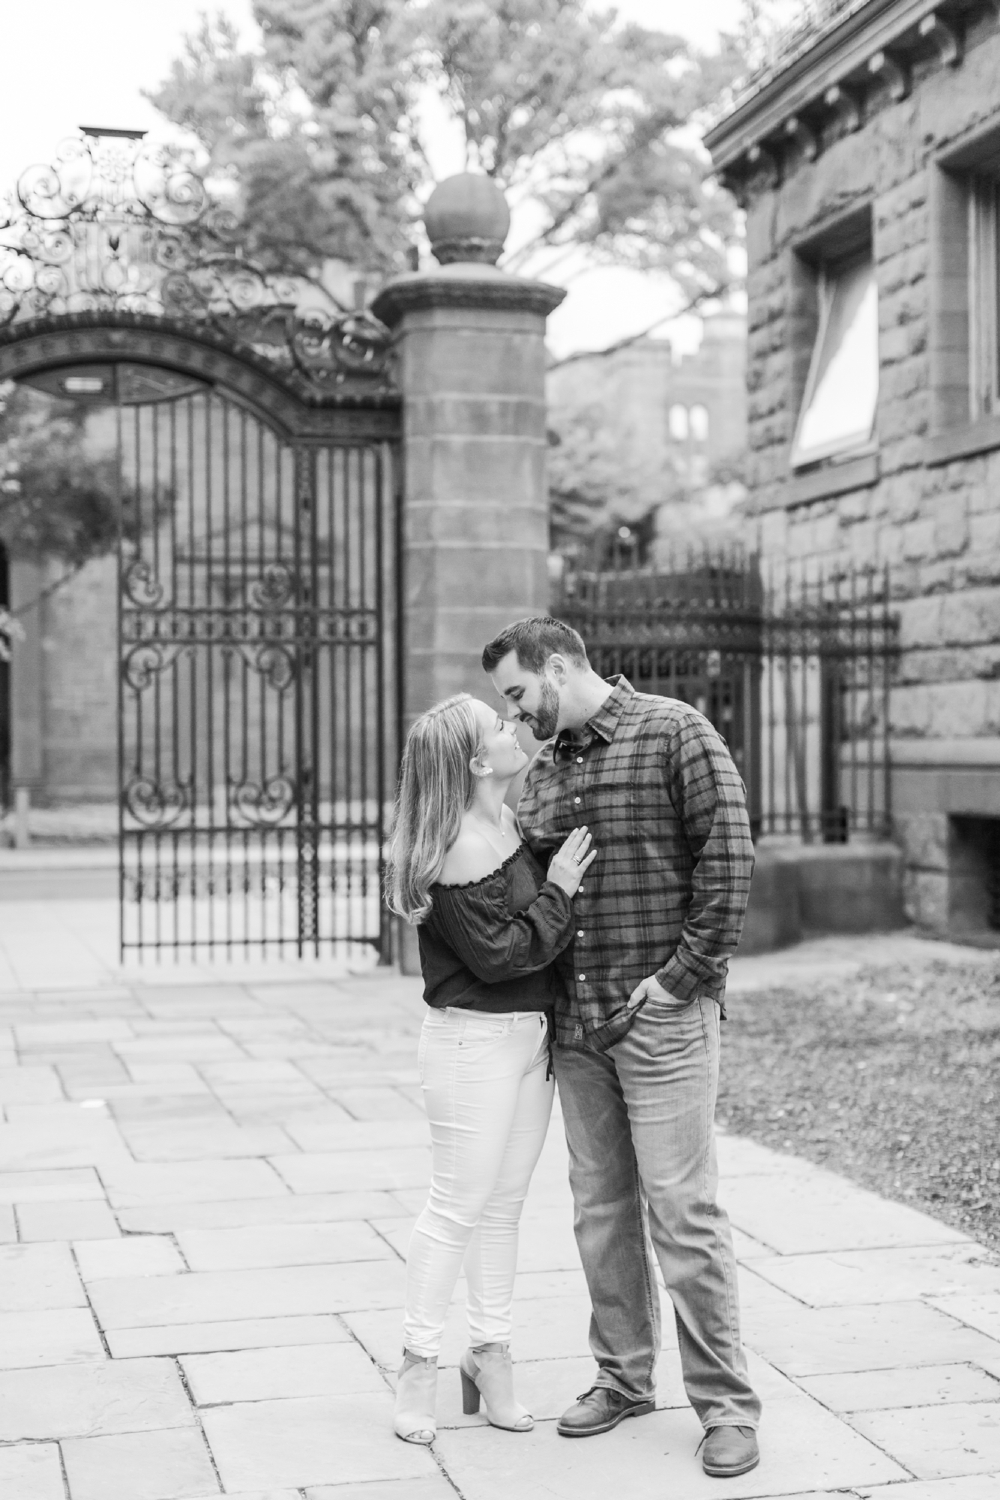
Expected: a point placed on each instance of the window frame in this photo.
(827, 273)
(964, 309)
(983, 192)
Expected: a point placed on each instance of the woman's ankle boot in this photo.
(416, 1392)
(487, 1372)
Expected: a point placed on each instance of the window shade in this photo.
(838, 412)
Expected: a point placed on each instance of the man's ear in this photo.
(557, 665)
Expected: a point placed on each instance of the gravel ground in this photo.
(891, 1077)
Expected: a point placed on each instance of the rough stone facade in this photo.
(925, 502)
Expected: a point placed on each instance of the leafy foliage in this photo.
(584, 120)
(57, 499)
(583, 117)
(313, 138)
(594, 484)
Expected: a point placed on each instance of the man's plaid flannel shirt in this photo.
(657, 788)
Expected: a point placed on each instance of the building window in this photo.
(837, 416)
(699, 424)
(984, 269)
(678, 423)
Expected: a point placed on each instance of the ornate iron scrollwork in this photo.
(274, 662)
(120, 225)
(154, 804)
(141, 586)
(274, 588)
(144, 663)
(264, 805)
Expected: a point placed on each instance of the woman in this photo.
(490, 921)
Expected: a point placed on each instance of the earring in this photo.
(486, 771)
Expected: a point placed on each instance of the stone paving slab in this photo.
(924, 1385)
(141, 1465)
(309, 1440)
(32, 1471)
(207, 1190)
(968, 1487)
(656, 1455)
(849, 1278)
(937, 1441)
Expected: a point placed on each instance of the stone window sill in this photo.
(963, 442)
(834, 479)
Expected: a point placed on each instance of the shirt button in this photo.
(576, 799)
(579, 888)
(579, 760)
(580, 933)
(582, 977)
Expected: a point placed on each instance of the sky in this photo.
(85, 62)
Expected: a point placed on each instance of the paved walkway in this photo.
(205, 1195)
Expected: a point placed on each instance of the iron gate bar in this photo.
(794, 670)
(253, 772)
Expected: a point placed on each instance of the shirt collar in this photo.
(601, 724)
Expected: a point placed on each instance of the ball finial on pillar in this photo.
(467, 219)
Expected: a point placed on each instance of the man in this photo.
(637, 1052)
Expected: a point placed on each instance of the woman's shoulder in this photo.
(472, 859)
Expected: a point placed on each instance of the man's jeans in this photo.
(639, 1124)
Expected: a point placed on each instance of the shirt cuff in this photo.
(680, 981)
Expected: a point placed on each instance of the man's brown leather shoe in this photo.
(598, 1410)
(730, 1451)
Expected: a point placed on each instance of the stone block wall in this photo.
(64, 684)
(931, 518)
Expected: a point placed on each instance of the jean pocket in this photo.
(660, 1005)
(479, 1034)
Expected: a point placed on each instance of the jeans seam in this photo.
(720, 1252)
(650, 1279)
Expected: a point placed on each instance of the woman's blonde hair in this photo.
(436, 786)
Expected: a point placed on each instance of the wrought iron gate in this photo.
(794, 670)
(255, 417)
(257, 672)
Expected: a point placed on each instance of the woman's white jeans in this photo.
(488, 1103)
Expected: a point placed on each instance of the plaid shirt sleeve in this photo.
(706, 790)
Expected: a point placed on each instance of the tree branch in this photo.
(690, 306)
(50, 589)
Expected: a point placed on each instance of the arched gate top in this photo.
(118, 251)
(292, 408)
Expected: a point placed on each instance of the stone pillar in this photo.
(472, 372)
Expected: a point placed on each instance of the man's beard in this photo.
(545, 722)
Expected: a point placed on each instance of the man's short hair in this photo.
(535, 640)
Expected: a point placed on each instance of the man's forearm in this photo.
(711, 932)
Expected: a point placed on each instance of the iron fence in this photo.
(792, 666)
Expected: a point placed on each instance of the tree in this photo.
(580, 118)
(312, 139)
(594, 482)
(57, 498)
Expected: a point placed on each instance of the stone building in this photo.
(867, 155)
(680, 421)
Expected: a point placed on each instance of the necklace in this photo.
(494, 828)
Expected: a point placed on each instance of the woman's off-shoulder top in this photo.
(490, 945)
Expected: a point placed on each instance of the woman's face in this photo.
(500, 751)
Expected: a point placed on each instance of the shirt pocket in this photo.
(611, 806)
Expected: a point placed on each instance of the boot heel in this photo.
(470, 1395)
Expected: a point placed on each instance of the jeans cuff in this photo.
(607, 1385)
